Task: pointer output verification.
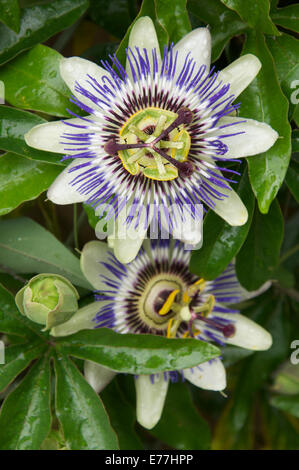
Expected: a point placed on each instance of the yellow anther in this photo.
(186, 334)
(169, 328)
(186, 297)
(169, 301)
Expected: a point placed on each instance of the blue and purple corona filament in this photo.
(169, 158)
(157, 294)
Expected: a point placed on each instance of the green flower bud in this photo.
(286, 379)
(48, 299)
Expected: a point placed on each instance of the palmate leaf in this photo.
(25, 417)
(147, 9)
(259, 256)
(288, 17)
(223, 22)
(80, 411)
(10, 14)
(38, 23)
(174, 18)
(234, 428)
(26, 247)
(42, 86)
(264, 101)
(14, 124)
(22, 180)
(222, 241)
(255, 13)
(136, 354)
(17, 358)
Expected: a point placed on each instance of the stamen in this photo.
(185, 116)
(185, 168)
(112, 147)
(227, 330)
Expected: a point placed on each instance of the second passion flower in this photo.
(157, 137)
(157, 294)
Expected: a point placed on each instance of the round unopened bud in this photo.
(48, 299)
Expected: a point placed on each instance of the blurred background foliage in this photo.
(261, 406)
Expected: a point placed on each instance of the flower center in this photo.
(167, 303)
(155, 142)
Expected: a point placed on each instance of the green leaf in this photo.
(136, 354)
(25, 417)
(26, 247)
(17, 358)
(174, 18)
(259, 256)
(122, 416)
(22, 180)
(147, 9)
(264, 101)
(14, 124)
(285, 52)
(222, 241)
(288, 17)
(292, 179)
(38, 23)
(91, 215)
(224, 23)
(255, 13)
(237, 423)
(114, 16)
(10, 14)
(83, 418)
(42, 86)
(11, 321)
(181, 427)
(288, 403)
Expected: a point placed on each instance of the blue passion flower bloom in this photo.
(157, 294)
(156, 139)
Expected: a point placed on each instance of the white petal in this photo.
(49, 135)
(75, 69)
(93, 255)
(248, 334)
(150, 399)
(82, 320)
(198, 43)
(97, 376)
(61, 191)
(209, 375)
(143, 35)
(240, 73)
(127, 240)
(257, 137)
(188, 229)
(126, 249)
(231, 208)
